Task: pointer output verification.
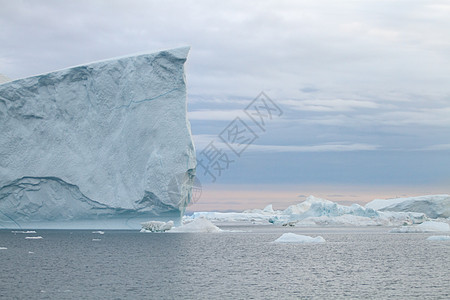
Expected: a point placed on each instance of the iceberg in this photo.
(298, 239)
(428, 226)
(434, 206)
(101, 141)
(156, 226)
(200, 225)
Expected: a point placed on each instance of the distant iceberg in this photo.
(317, 211)
(103, 141)
(428, 226)
(434, 206)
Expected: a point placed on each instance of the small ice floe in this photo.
(3, 248)
(34, 237)
(30, 252)
(290, 224)
(25, 232)
(156, 226)
(298, 239)
(439, 238)
(428, 226)
(96, 240)
(98, 232)
(197, 225)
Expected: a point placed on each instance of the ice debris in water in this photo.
(98, 232)
(298, 239)
(428, 226)
(439, 238)
(197, 225)
(3, 248)
(156, 226)
(33, 237)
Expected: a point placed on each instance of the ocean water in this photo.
(365, 263)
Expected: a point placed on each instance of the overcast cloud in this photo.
(350, 76)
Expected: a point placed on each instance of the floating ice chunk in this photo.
(25, 232)
(197, 225)
(428, 226)
(156, 226)
(434, 226)
(439, 238)
(98, 232)
(299, 239)
(3, 248)
(96, 240)
(30, 252)
(33, 237)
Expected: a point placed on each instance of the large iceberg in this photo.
(104, 140)
(434, 206)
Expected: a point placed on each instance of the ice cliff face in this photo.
(97, 139)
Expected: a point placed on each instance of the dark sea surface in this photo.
(363, 263)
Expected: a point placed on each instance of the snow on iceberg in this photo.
(156, 226)
(434, 206)
(428, 226)
(298, 239)
(96, 141)
(197, 225)
(439, 238)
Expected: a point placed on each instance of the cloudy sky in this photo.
(361, 88)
